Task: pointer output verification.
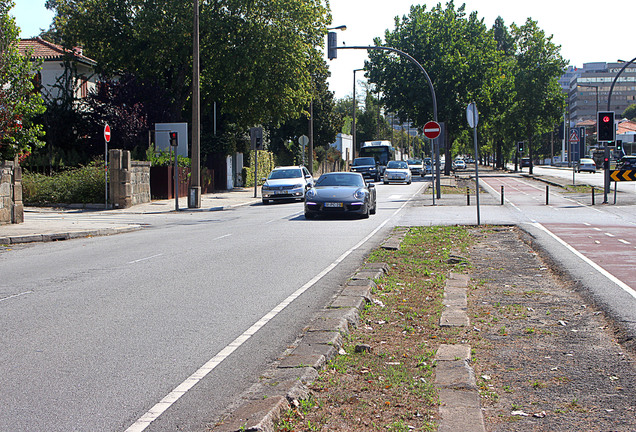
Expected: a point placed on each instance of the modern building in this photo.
(589, 89)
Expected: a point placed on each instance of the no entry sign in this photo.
(107, 133)
(432, 130)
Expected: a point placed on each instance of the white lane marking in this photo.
(624, 241)
(151, 415)
(144, 259)
(597, 267)
(223, 236)
(16, 295)
(395, 197)
(609, 234)
(596, 229)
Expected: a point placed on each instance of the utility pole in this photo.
(194, 197)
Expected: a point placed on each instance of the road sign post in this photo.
(106, 141)
(472, 115)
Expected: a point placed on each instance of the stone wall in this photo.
(11, 207)
(129, 180)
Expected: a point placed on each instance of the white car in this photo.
(586, 164)
(459, 164)
(416, 166)
(397, 171)
(286, 183)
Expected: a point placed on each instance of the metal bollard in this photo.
(467, 196)
(547, 195)
(593, 195)
(502, 195)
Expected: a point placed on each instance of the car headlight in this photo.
(296, 186)
(265, 186)
(359, 194)
(311, 193)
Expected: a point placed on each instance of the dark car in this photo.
(340, 193)
(367, 166)
(525, 162)
(626, 163)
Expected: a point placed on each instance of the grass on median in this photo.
(391, 387)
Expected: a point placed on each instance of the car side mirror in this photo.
(370, 185)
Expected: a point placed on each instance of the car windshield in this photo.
(363, 161)
(340, 179)
(587, 161)
(414, 162)
(397, 164)
(285, 173)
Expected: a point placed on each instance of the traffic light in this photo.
(619, 146)
(174, 139)
(605, 128)
(606, 164)
(256, 136)
(332, 43)
(520, 146)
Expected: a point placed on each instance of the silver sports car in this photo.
(340, 193)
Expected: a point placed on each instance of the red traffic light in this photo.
(606, 119)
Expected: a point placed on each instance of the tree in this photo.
(539, 99)
(459, 55)
(20, 102)
(630, 112)
(255, 54)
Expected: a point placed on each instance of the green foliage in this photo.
(166, 158)
(255, 55)
(630, 112)
(19, 103)
(265, 166)
(78, 185)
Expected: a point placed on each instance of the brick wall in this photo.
(11, 208)
(129, 180)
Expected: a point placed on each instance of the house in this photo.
(55, 66)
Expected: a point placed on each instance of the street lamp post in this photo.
(353, 123)
(194, 197)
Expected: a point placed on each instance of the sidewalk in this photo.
(49, 224)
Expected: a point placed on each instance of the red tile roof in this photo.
(45, 50)
(626, 126)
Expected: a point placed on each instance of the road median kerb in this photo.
(320, 344)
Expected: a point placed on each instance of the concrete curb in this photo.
(67, 235)
(286, 383)
(460, 403)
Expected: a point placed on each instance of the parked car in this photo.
(366, 166)
(525, 162)
(287, 182)
(586, 164)
(341, 193)
(416, 166)
(397, 171)
(626, 162)
(428, 165)
(459, 164)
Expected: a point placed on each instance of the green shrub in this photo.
(77, 185)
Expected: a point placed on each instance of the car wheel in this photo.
(309, 216)
(375, 207)
(386, 182)
(408, 182)
(365, 215)
(266, 201)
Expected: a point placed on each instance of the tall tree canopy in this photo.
(19, 102)
(255, 54)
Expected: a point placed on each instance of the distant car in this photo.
(525, 162)
(428, 165)
(397, 171)
(285, 183)
(586, 164)
(626, 162)
(341, 193)
(367, 166)
(459, 164)
(416, 166)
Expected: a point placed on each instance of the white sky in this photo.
(581, 28)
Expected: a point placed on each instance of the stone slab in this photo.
(341, 301)
(448, 352)
(333, 338)
(455, 374)
(255, 415)
(460, 411)
(452, 317)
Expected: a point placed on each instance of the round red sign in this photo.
(432, 130)
(107, 133)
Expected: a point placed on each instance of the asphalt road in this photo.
(169, 325)
(96, 332)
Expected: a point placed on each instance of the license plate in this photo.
(333, 204)
(280, 192)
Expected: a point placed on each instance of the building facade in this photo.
(589, 89)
